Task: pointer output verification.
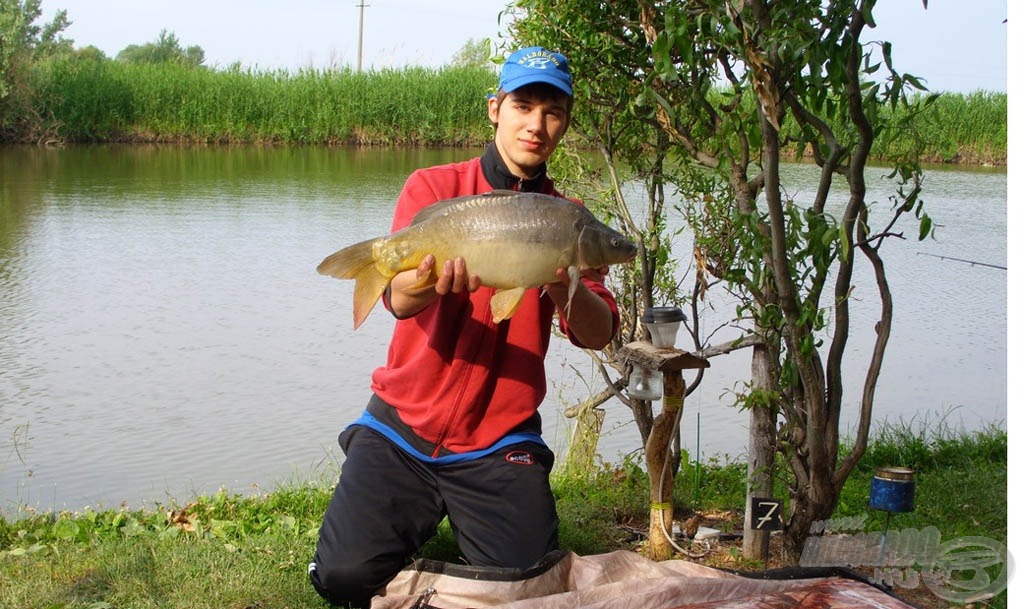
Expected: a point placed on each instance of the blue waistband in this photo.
(368, 420)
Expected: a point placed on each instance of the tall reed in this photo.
(82, 99)
(114, 101)
(967, 128)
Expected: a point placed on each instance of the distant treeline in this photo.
(83, 99)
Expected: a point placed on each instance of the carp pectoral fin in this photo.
(574, 282)
(505, 302)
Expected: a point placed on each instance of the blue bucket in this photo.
(892, 489)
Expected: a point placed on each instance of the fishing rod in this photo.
(970, 262)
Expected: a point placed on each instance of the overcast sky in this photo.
(955, 45)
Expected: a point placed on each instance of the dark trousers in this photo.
(388, 504)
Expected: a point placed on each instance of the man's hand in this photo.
(589, 317)
(454, 277)
(559, 290)
(414, 290)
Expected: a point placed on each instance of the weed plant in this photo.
(966, 128)
(89, 100)
(82, 99)
(954, 474)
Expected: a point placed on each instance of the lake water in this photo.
(163, 331)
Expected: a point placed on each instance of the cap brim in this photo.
(529, 79)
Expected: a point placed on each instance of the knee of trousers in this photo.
(348, 584)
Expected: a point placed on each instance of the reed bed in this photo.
(967, 128)
(114, 101)
(84, 100)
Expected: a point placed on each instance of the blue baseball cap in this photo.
(535, 65)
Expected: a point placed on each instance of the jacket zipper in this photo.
(467, 378)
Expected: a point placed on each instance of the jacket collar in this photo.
(500, 178)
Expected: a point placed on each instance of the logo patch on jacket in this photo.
(519, 457)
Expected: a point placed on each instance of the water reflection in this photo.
(163, 331)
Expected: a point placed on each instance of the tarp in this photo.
(622, 580)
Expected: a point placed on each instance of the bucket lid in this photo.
(894, 473)
(663, 315)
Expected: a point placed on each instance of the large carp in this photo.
(511, 240)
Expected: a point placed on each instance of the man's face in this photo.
(529, 127)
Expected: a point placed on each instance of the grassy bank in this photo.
(969, 129)
(102, 101)
(242, 551)
(79, 99)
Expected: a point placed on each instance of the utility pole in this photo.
(359, 60)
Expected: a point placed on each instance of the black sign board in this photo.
(766, 514)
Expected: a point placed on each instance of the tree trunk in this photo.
(760, 455)
(812, 503)
(661, 477)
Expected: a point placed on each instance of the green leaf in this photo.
(926, 227)
(65, 529)
(222, 529)
(829, 236)
(869, 19)
(133, 528)
(913, 80)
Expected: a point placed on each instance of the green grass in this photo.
(219, 551)
(960, 480)
(968, 128)
(235, 551)
(87, 100)
(81, 99)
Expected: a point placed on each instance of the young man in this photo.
(452, 427)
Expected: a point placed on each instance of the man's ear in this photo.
(493, 105)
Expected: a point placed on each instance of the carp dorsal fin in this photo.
(435, 209)
(505, 302)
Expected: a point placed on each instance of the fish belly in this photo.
(513, 265)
